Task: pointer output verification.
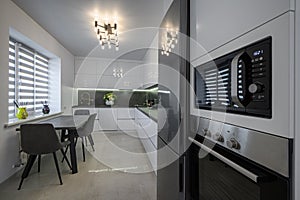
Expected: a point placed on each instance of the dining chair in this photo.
(37, 140)
(84, 131)
(89, 137)
(82, 112)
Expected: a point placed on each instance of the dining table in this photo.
(68, 124)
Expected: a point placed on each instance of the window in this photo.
(28, 78)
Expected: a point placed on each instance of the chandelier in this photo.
(168, 42)
(107, 34)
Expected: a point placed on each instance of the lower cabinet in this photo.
(108, 119)
(147, 132)
(112, 119)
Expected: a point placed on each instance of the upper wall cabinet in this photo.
(85, 66)
(214, 22)
(99, 73)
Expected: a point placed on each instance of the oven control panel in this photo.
(248, 143)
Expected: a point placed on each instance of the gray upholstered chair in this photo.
(89, 137)
(39, 139)
(82, 112)
(85, 131)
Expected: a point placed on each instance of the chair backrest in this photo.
(82, 112)
(88, 127)
(39, 139)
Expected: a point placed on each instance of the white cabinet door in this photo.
(107, 119)
(107, 82)
(85, 81)
(126, 124)
(85, 66)
(125, 113)
(217, 22)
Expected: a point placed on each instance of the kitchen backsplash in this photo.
(125, 98)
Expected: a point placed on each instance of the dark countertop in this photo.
(150, 112)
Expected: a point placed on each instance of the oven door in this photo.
(217, 174)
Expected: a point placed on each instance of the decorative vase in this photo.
(109, 102)
(22, 113)
(46, 109)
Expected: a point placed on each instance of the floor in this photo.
(117, 170)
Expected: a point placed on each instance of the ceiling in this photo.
(71, 22)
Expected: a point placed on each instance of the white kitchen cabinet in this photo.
(218, 22)
(147, 132)
(125, 113)
(85, 66)
(126, 119)
(85, 81)
(108, 119)
(126, 124)
(107, 82)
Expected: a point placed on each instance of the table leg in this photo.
(73, 151)
(63, 135)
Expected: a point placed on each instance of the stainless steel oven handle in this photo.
(235, 166)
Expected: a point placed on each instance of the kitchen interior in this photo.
(192, 99)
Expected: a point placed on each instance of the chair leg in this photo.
(91, 141)
(57, 168)
(27, 169)
(65, 157)
(83, 150)
(39, 163)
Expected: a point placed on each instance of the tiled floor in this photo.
(115, 171)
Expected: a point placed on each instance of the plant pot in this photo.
(22, 113)
(109, 103)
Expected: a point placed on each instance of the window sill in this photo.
(14, 122)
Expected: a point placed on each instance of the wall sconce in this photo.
(107, 34)
(168, 42)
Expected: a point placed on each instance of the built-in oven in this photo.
(227, 162)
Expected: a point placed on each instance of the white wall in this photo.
(12, 16)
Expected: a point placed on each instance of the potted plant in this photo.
(109, 98)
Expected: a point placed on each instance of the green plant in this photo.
(109, 97)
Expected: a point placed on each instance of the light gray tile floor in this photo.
(95, 180)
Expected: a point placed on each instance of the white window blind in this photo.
(28, 78)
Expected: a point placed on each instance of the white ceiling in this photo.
(71, 23)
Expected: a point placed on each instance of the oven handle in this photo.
(235, 166)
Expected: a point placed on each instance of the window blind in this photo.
(28, 78)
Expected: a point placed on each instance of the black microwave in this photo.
(238, 82)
